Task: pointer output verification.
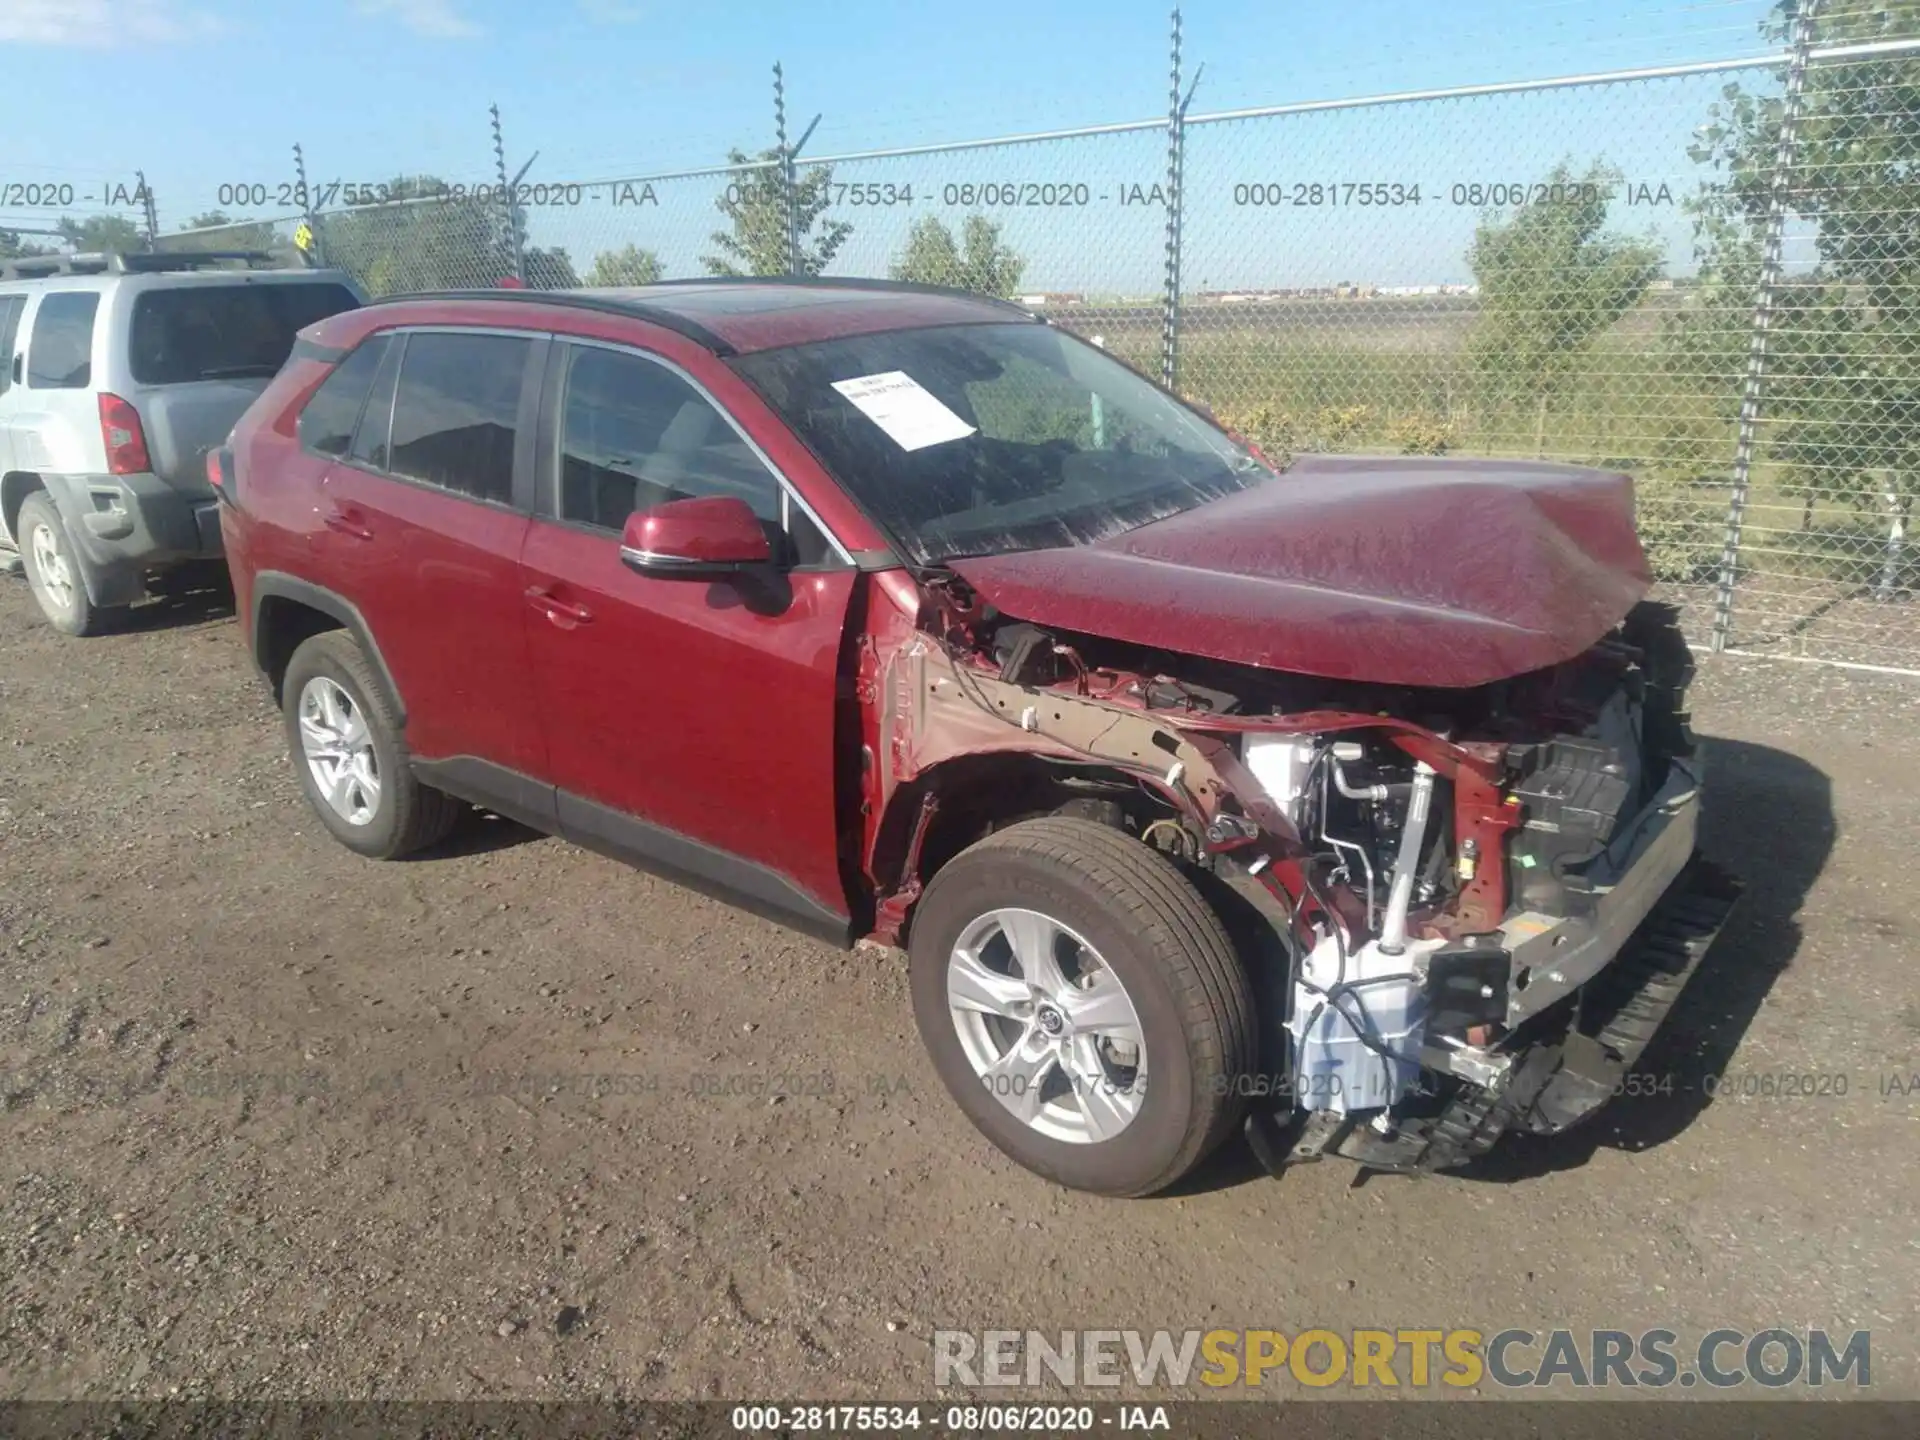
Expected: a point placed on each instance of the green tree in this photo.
(755, 204)
(629, 265)
(100, 233)
(549, 269)
(978, 262)
(1552, 281)
(1842, 401)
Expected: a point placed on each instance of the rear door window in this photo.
(326, 425)
(224, 332)
(60, 355)
(456, 412)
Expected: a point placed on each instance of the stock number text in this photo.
(1325, 192)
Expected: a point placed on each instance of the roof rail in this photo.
(848, 282)
(638, 309)
(146, 262)
(633, 309)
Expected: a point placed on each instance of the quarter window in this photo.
(456, 412)
(61, 355)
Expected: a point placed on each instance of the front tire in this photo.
(1083, 1005)
(53, 572)
(351, 755)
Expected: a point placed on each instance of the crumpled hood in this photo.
(1399, 571)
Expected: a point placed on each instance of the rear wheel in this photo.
(1083, 1005)
(352, 757)
(53, 572)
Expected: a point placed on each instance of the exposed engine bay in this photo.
(1479, 903)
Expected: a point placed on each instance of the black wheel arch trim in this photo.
(278, 585)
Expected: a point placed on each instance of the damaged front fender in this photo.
(938, 714)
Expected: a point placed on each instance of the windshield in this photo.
(225, 332)
(980, 439)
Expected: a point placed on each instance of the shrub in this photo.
(1420, 434)
(1682, 521)
(1267, 426)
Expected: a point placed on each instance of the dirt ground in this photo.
(281, 1123)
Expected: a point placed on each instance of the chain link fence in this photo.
(1820, 564)
(1071, 225)
(1707, 276)
(1475, 274)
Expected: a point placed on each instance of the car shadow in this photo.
(1753, 791)
(191, 596)
(478, 832)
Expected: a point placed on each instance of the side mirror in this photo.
(701, 538)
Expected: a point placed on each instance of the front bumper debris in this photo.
(1553, 1083)
(1554, 957)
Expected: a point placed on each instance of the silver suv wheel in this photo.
(1047, 1026)
(338, 746)
(50, 567)
(54, 571)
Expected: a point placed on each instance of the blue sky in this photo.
(204, 92)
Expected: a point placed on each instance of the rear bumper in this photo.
(125, 525)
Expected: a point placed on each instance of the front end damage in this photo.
(1476, 906)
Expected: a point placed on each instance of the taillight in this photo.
(220, 473)
(126, 442)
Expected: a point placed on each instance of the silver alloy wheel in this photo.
(56, 579)
(339, 750)
(1047, 1026)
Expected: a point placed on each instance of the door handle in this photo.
(557, 610)
(348, 521)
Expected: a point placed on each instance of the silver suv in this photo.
(118, 373)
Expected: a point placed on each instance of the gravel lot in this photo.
(255, 1142)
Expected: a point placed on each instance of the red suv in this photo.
(1352, 800)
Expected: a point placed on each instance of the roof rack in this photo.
(146, 262)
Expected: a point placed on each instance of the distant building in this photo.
(1053, 297)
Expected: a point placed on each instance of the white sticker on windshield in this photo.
(900, 405)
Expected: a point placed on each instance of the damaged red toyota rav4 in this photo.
(1352, 801)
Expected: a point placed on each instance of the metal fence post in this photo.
(315, 250)
(790, 196)
(1785, 154)
(1170, 297)
(152, 210)
(517, 245)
